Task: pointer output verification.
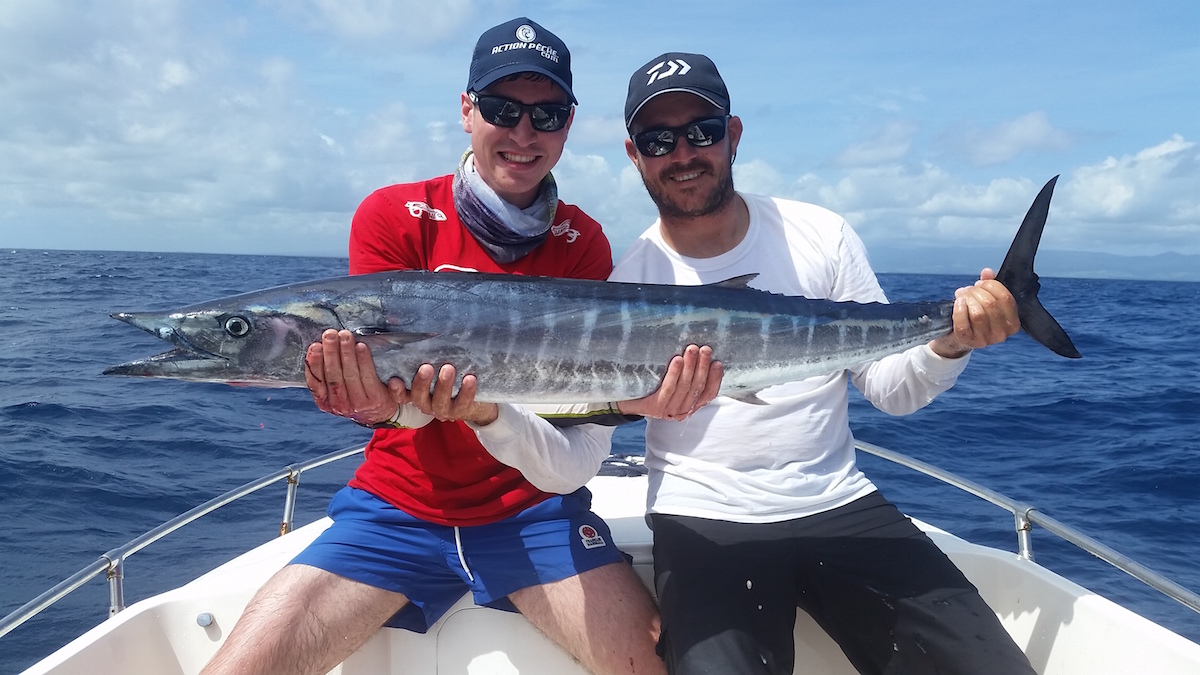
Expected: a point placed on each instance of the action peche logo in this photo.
(525, 33)
(527, 39)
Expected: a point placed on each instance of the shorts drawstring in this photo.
(461, 558)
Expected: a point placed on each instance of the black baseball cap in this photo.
(675, 71)
(519, 46)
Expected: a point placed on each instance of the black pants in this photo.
(882, 590)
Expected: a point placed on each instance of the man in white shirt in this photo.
(760, 509)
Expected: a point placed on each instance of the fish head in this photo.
(232, 341)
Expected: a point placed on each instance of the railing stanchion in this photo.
(289, 502)
(1024, 535)
(116, 586)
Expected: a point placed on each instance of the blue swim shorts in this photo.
(373, 542)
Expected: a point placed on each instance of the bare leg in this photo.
(604, 617)
(303, 621)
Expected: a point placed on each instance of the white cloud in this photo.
(1140, 202)
(155, 137)
(889, 145)
(174, 74)
(759, 177)
(1120, 188)
(1028, 133)
(277, 71)
(1134, 204)
(591, 131)
(399, 23)
(892, 100)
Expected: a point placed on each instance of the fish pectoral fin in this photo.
(394, 340)
(736, 282)
(750, 397)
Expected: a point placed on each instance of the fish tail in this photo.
(1018, 277)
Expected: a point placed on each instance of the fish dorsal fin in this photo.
(377, 336)
(750, 396)
(736, 282)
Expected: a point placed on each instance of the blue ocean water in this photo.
(1109, 444)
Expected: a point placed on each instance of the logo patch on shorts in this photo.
(590, 537)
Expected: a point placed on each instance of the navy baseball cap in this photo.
(675, 71)
(520, 46)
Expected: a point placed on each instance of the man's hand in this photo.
(340, 374)
(984, 314)
(691, 381)
(443, 404)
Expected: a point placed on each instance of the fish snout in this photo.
(161, 326)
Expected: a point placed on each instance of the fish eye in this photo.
(237, 326)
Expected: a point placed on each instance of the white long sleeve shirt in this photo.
(795, 456)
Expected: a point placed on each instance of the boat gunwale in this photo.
(1025, 516)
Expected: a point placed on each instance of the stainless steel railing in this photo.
(1025, 517)
(111, 564)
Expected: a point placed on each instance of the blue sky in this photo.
(257, 127)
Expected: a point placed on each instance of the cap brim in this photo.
(504, 71)
(707, 96)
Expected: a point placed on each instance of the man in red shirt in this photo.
(448, 487)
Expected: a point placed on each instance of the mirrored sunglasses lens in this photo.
(499, 111)
(549, 117)
(705, 132)
(655, 143)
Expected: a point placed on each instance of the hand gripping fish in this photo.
(543, 340)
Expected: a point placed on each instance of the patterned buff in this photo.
(505, 231)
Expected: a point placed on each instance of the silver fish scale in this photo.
(539, 340)
(556, 341)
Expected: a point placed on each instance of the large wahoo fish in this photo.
(541, 340)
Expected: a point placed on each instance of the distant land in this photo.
(1049, 263)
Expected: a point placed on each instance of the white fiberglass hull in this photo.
(1064, 628)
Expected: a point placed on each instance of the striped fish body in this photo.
(532, 339)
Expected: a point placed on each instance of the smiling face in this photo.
(513, 161)
(688, 182)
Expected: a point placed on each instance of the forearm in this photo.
(904, 383)
(554, 460)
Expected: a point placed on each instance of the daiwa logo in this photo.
(674, 67)
(590, 537)
(416, 209)
(565, 228)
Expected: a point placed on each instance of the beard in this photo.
(709, 203)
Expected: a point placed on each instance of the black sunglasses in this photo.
(503, 112)
(699, 133)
